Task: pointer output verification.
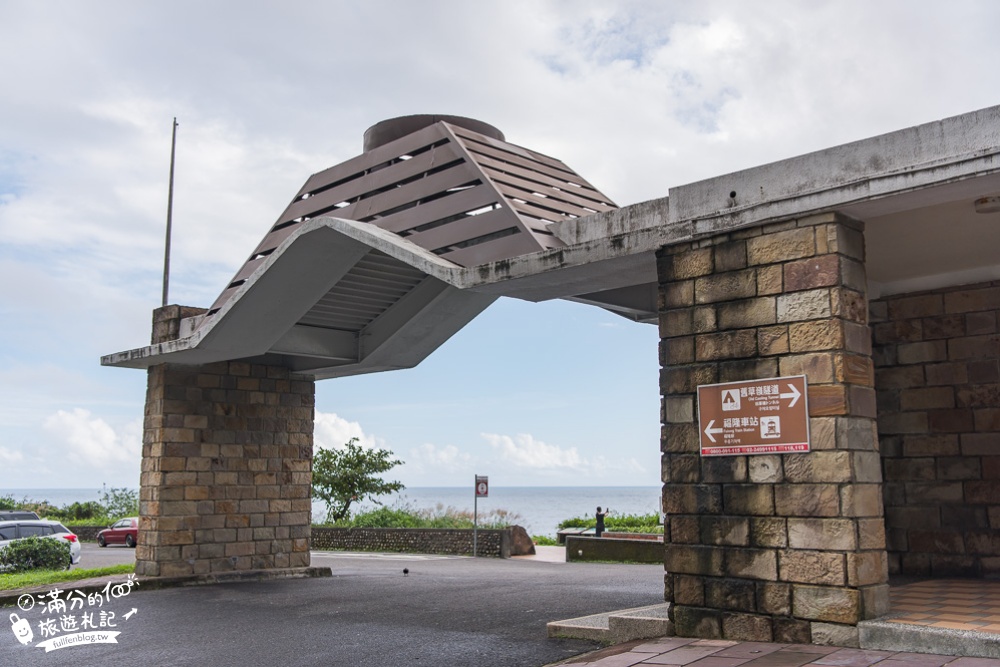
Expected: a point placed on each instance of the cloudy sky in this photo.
(636, 96)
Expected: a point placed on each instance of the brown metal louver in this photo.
(450, 185)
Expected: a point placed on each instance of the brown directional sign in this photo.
(754, 417)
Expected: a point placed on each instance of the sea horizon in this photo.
(539, 509)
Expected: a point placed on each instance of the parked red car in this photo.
(123, 531)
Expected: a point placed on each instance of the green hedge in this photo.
(35, 553)
(619, 523)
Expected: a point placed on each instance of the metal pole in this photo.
(170, 214)
(475, 515)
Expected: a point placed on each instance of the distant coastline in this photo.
(540, 508)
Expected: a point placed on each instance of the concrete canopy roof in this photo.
(915, 190)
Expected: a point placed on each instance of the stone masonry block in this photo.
(751, 563)
(693, 559)
(772, 340)
(807, 274)
(731, 256)
(818, 367)
(834, 634)
(747, 627)
(746, 313)
(689, 590)
(816, 467)
(866, 568)
(807, 500)
(800, 306)
(827, 400)
(871, 533)
(685, 265)
(820, 568)
(769, 280)
(730, 594)
(726, 345)
(781, 247)
(774, 598)
(769, 532)
(725, 286)
(821, 603)
(692, 499)
(816, 335)
(678, 409)
(822, 534)
(731, 531)
(845, 241)
(765, 469)
(748, 499)
(861, 500)
(697, 622)
(849, 305)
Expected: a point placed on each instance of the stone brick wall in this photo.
(785, 547)
(495, 543)
(937, 357)
(605, 548)
(226, 465)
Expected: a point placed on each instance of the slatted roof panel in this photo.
(457, 192)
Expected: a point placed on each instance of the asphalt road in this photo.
(447, 611)
(94, 556)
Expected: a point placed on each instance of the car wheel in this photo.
(101, 542)
(130, 542)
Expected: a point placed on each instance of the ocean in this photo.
(539, 508)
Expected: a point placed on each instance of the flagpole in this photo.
(170, 214)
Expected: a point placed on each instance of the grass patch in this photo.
(403, 515)
(545, 541)
(619, 523)
(44, 577)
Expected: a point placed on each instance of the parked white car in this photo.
(22, 528)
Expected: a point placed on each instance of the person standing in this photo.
(600, 521)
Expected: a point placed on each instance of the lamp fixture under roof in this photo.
(988, 204)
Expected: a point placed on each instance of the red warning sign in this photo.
(754, 417)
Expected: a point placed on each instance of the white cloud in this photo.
(331, 431)
(92, 441)
(524, 451)
(10, 456)
(447, 459)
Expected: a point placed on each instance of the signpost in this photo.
(768, 416)
(482, 491)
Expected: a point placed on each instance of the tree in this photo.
(344, 476)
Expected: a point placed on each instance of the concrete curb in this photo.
(616, 627)
(9, 598)
(888, 636)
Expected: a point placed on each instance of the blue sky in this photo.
(636, 96)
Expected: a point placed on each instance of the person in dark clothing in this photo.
(600, 521)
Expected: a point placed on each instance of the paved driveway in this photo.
(92, 555)
(447, 611)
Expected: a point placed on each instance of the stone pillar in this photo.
(785, 547)
(937, 359)
(226, 465)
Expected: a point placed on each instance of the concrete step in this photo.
(615, 627)
(884, 635)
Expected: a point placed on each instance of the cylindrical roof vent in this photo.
(396, 128)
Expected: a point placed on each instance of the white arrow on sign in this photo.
(794, 395)
(710, 432)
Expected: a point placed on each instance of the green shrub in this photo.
(544, 541)
(35, 553)
(619, 523)
(8, 503)
(88, 511)
(119, 503)
(404, 515)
